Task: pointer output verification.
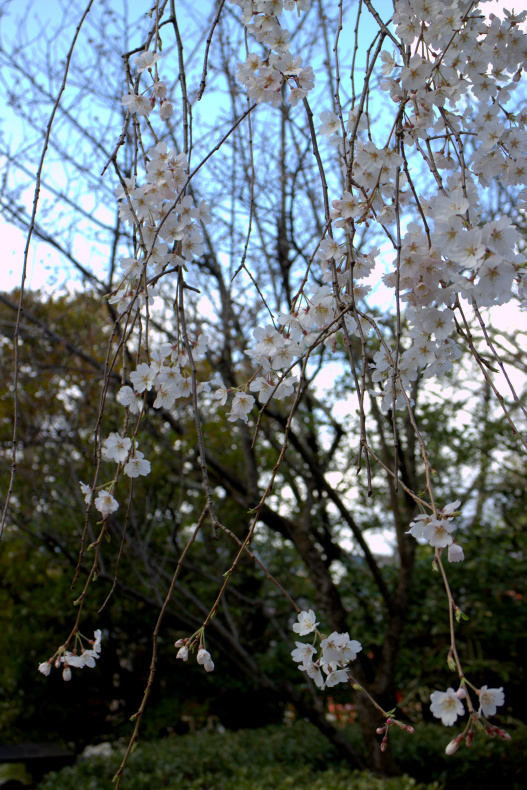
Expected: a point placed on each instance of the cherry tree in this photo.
(295, 209)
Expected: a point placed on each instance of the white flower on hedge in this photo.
(446, 706)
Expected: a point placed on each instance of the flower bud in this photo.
(461, 693)
(203, 656)
(45, 668)
(452, 747)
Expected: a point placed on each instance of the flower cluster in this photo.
(203, 657)
(266, 80)
(438, 531)
(447, 705)
(66, 659)
(121, 449)
(444, 100)
(337, 651)
(142, 105)
(162, 218)
(167, 374)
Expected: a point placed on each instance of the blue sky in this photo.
(25, 20)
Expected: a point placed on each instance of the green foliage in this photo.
(490, 588)
(487, 763)
(267, 759)
(278, 757)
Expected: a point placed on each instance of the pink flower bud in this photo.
(461, 693)
(384, 746)
(380, 730)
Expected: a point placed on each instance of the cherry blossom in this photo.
(205, 660)
(446, 706)
(306, 623)
(87, 492)
(137, 465)
(303, 653)
(455, 553)
(106, 504)
(241, 406)
(490, 700)
(117, 447)
(142, 378)
(146, 60)
(68, 659)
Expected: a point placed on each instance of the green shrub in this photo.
(279, 758)
(487, 763)
(270, 758)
